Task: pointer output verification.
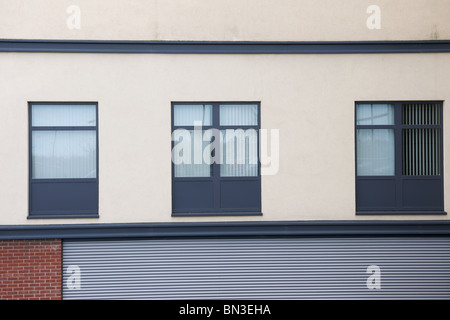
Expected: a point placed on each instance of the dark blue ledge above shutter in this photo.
(220, 47)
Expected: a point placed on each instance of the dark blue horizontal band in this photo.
(241, 47)
(228, 229)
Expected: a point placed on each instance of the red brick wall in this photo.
(30, 269)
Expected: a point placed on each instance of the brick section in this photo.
(30, 269)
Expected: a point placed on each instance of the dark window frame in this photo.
(215, 177)
(93, 182)
(398, 177)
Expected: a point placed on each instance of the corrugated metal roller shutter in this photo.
(259, 268)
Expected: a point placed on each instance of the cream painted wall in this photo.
(309, 98)
(290, 20)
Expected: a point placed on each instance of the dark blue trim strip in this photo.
(249, 47)
(228, 229)
(402, 213)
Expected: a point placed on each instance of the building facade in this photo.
(225, 150)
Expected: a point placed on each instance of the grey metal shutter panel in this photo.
(258, 268)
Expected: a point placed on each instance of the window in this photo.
(215, 165)
(399, 158)
(63, 160)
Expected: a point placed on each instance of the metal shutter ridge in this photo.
(257, 268)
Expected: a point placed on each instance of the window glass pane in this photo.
(421, 152)
(421, 114)
(64, 154)
(238, 115)
(189, 152)
(375, 114)
(187, 115)
(75, 115)
(375, 152)
(239, 153)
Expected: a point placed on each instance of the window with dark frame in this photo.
(215, 162)
(63, 160)
(399, 158)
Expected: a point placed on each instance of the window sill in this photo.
(214, 214)
(63, 216)
(403, 213)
